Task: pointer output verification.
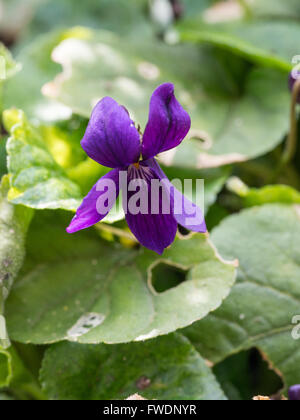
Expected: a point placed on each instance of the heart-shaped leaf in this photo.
(83, 289)
(226, 127)
(3, 168)
(24, 90)
(5, 368)
(14, 221)
(263, 308)
(167, 368)
(8, 66)
(268, 42)
(15, 374)
(120, 16)
(36, 179)
(275, 8)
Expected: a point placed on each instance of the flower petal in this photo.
(111, 138)
(294, 393)
(168, 122)
(98, 203)
(189, 215)
(154, 230)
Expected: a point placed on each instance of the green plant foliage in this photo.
(113, 300)
(262, 305)
(24, 91)
(14, 222)
(164, 368)
(265, 42)
(2, 156)
(232, 127)
(36, 179)
(94, 315)
(5, 397)
(192, 8)
(16, 375)
(5, 368)
(276, 8)
(245, 374)
(121, 16)
(9, 66)
(269, 194)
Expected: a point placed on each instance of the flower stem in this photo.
(291, 144)
(30, 391)
(116, 231)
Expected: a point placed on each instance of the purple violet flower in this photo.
(294, 393)
(112, 140)
(294, 76)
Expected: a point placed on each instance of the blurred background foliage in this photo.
(229, 61)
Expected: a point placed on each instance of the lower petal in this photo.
(155, 232)
(190, 216)
(154, 229)
(98, 203)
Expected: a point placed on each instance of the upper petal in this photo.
(168, 122)
(186, 213)
(154, 229)
(111, 138)
(98, 203)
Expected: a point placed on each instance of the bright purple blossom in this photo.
(112, 140)
(294, 76)
(294, 393)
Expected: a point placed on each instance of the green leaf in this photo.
(14, 222)
(167, 368)
(5, 368)
(8, 65)
(24, 91)
(121, 16)
(245, 375)
(14, 16)
(234, 122)
(193, 8)
(17, 376)
(3, 168)
(36, 179)
(44, 33)
(78, 287)
(262, 307)
(8, 68)
(276, 8)
(266, 195)
(47, 166)
(267, 42)
(5, 397)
